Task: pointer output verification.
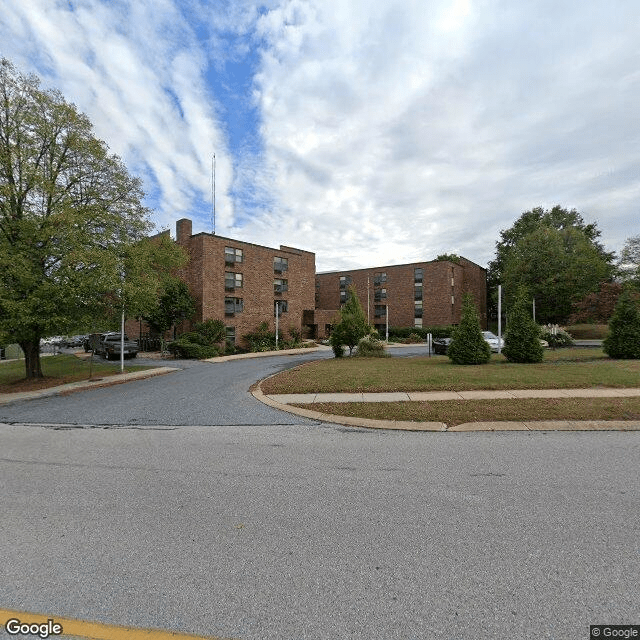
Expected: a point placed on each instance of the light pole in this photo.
(386, 313)
(499, 317)
(277, 311)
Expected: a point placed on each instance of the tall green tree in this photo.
(555, 255)
(629, 263)
(174, 305)
(522, 340)
(468, 345)
(352, 325)
(72, 225)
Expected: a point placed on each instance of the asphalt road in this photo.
(202, 393)
(271, 526)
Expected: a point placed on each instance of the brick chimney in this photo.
(184, 227)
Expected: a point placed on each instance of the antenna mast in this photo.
(213, 194)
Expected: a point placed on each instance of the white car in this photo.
(493, 341)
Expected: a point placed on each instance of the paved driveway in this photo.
(201, 393)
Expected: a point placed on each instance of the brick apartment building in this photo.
(414, 295)
(241, 283)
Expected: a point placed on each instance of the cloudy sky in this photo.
(369, 131)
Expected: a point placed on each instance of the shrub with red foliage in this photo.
(596, 308)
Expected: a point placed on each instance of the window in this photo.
(280, 264)
(380, 294)
(417, 311)
(345, 281)
(230, 335)
(417, 291)
(379, 279)
(417, 323)
(280, 286)
(233, 306)
(233, 281)
(418, 274)
(344, 296)
(380, 311)
(231, 255)
(280, 307)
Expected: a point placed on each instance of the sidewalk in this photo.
(283, 402)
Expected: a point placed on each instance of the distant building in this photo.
(244, 284)
(420, 294)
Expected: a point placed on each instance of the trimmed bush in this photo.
(371, 347)
(202, 343)
(399, 334)
(352, 325)
(261, 339)
(560, 339)
(338, 349)
(468, 345)
(623, 340)
(522, 338)
(183, 348)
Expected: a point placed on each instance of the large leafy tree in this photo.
(629, 263)
(174, 305)
(555, 255)
(72, 226)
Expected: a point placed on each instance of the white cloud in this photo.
(391, 131)
(137, 69)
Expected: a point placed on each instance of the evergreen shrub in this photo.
(468, 345)
(522, 338)
(623, 340)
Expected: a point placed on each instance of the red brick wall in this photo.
(205, 275)
(442, 281)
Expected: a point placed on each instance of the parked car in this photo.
(111, 343)
(441, 345)
(493, 341)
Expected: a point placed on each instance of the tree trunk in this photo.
(31, 350)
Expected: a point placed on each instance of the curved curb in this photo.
(401, 425)
(350, 421)
(83, 385)
(264, 354)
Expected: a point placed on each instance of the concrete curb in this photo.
(265, 354)
(368, 423)
(83, 385)
(348, 420)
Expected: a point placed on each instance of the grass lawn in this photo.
(57, 370)
(561, 369)
(456, 412)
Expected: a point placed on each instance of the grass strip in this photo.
(561, 369)
(456, 412)
(57, 370)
